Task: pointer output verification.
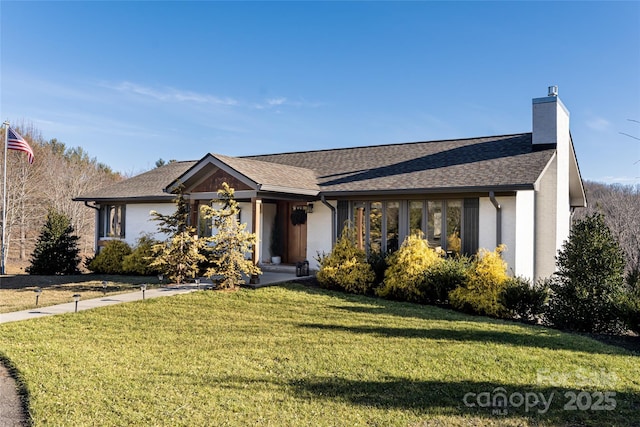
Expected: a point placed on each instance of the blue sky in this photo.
(132, 82)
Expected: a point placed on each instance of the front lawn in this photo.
(300, 356)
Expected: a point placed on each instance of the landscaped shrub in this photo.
(585, 294)
(486, 280)
(442, 278)
(379, 264)
(109, 259)
(346, 267)
(523, 300)
(407, 268)
(139, 260)
(630, 312)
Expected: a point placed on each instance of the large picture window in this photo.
(383, 225)
(111, 221)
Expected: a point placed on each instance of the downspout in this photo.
(97, 222)
(333, 219)
(492, 197)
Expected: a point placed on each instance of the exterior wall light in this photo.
(309, 207)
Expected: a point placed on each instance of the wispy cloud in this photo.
(620, 179)
(598, 123)
(169, 94)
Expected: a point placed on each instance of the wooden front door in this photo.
(297, 236)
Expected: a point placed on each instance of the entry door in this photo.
(297, 240)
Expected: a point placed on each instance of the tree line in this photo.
(58, 174)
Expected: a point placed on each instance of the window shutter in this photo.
(471, 226)
(343, 216)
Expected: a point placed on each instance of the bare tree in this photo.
(620, 205)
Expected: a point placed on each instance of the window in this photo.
(393, 225)
(383, 225)
(111, 221)
(416, 209)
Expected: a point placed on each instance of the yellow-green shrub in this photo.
(407, 268)
(486, 281)
(346, 267)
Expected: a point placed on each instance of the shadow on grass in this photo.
(547, 404)
(22, 281)
(539, 336)
(554, 341)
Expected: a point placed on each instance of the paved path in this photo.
(267, 278)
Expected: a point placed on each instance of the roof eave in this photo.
(437, 190)
(289, 190)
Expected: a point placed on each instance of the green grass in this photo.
(299, 356)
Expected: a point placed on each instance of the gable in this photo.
(213, 183)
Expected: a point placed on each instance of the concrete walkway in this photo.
(267, 278)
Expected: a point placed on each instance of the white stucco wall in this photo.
(487, 224)
(319, 232)
(138, 220)
(546, 213)
(525, 234)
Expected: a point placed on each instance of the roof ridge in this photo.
(253, 156)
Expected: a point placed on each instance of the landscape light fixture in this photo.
(143, 287)
(160, 277)
(104, 287)
(198, 283)
(38, 291)
(76, 298)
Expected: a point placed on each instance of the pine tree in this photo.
(56, 250)
(231, 242)
(179, 256)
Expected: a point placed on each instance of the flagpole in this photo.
(4, 197)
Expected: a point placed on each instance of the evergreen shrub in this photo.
(56, 250)
(139, 260)
(442, 278)
(110, 258)
(407, 268)
(523, 300)
(485, 283)
(586, 292)
(346, 267)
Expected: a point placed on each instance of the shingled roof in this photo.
(148, 185)
(504, 162)
(497, 162)
(265, 173)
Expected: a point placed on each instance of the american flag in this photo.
(16, 142)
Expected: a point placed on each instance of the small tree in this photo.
(231, 242)
(56, 250)
(179, 256)
(589, 281)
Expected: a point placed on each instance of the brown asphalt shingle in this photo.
(497, 161)
(500, 162)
